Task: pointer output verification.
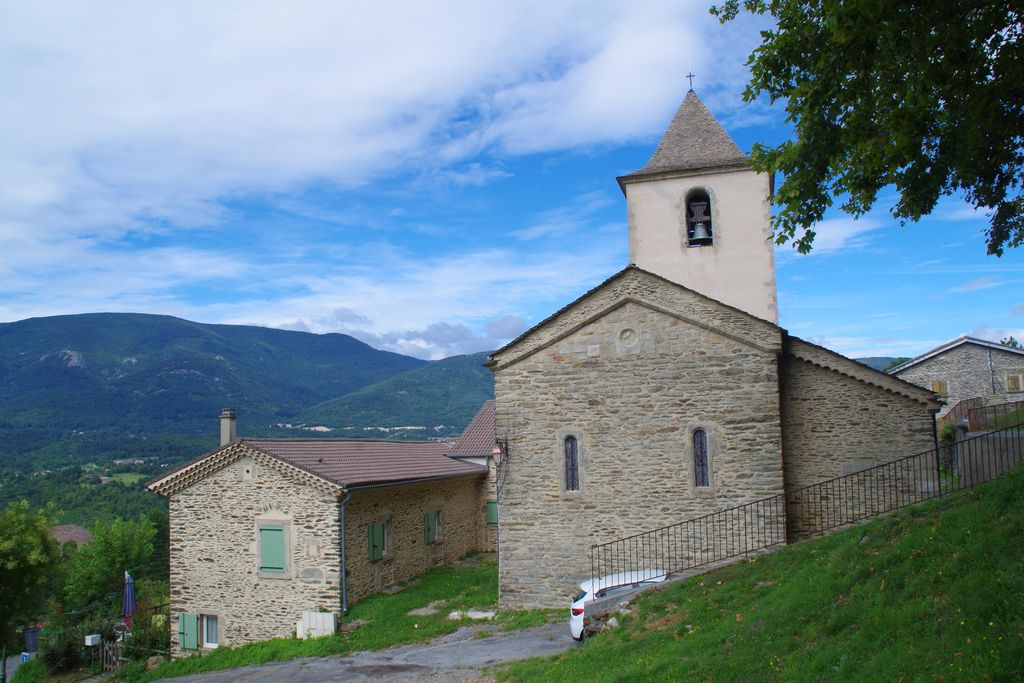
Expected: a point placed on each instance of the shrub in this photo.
(947, 433)
(151, 635)
(30, 672)
(62, 642)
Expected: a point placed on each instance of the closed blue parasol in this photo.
(129, 595)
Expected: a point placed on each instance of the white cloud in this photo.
(133, 133)
(128, 115)
(995, 333)
(980, 283)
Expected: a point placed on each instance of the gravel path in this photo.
(458, 656)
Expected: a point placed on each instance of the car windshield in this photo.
(580, 596)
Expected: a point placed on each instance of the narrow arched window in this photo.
(700, 458)
(699, 230)
(572, 464)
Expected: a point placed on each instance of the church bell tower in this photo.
(700, 216)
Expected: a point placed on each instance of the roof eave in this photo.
(644, 175)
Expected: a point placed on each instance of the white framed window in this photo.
(210, 627)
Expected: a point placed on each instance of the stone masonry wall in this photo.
(214, 561)
(968, 374)
(631, 382)
(462, 505)
(214, 549)
(834, 424)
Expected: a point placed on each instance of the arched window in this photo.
(699, 231)
(700, 458)
(572, 464)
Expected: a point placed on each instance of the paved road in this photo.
(12, 664)
(455, 657)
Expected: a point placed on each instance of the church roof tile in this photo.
(694, 140)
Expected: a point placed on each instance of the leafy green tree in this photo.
(1011, 342)
(28, 555)
(98, 568)
(923, 96)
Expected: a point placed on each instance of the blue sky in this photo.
(431, 180)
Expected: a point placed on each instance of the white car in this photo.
(607, 586)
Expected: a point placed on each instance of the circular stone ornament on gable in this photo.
(628, 341)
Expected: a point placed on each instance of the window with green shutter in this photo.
(376, 541)
(492, 513)
(188, 631)
(430, 527)
(272, 549)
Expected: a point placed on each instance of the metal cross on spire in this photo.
(690, 76)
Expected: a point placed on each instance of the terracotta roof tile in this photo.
(363, 462)
(63, 533)
(477, 439)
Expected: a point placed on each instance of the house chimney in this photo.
(228, 429)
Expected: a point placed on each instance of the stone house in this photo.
(264, 530)
(477, 445)
(669, 391)
(967, 368)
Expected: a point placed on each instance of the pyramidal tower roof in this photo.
(694, 140)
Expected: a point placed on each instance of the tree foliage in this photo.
(98, 568)
(927, 97)
(28, 555)
(1012, 342)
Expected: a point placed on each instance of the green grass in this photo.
(30, 672)
(1008, 419)
(472, 586)
(935, 592)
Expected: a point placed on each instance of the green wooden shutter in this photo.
(430, 527)
(272, 550)
(376, 541)
(188, 631)
(492, 513)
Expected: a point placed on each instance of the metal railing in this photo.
(999, 416)
(960, 410)
(703, 540)
(813, 510)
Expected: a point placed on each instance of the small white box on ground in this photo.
(93, 639)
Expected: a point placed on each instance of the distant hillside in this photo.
(881, 362)
(442, 397)
(106, 381)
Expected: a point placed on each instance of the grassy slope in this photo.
(473, 586)
(935, 592)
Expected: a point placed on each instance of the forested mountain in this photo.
(85, 397)
(438, 396)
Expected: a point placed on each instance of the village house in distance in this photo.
(968, 369)
(669, 391)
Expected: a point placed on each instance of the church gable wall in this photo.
(635, 284)
(834, 424)
(631, 386)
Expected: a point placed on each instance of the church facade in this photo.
(669, 391)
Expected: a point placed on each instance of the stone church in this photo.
(669, 391)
